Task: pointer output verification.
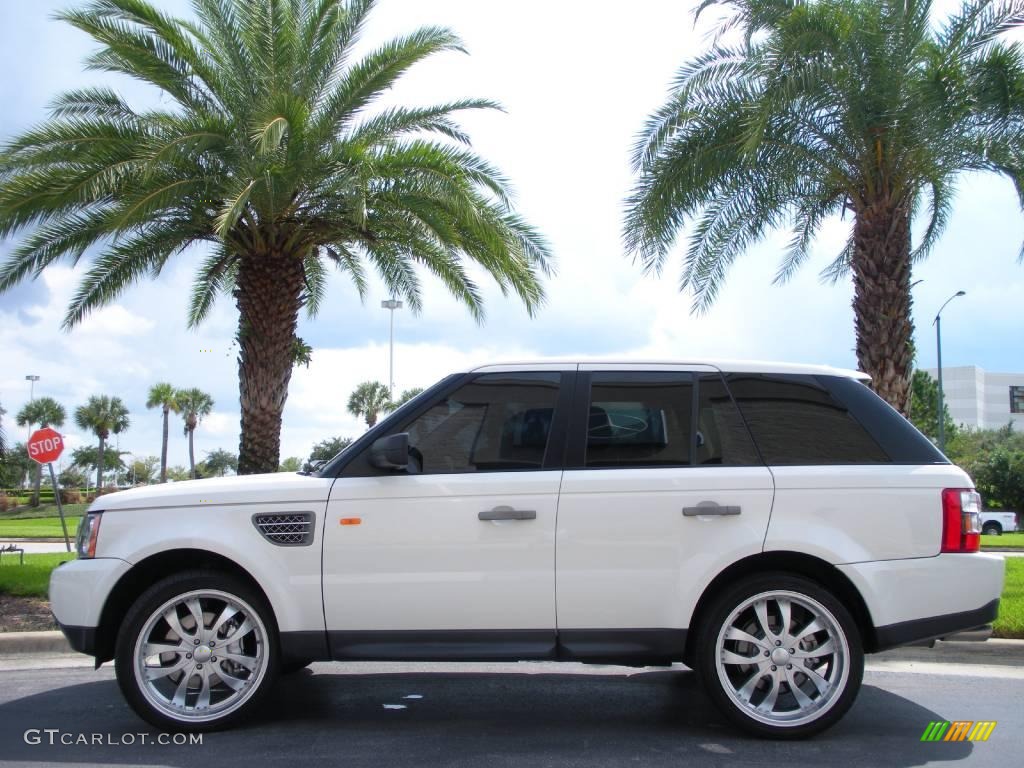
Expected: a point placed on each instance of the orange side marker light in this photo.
(351, 521)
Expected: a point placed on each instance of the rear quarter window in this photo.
(796, 420)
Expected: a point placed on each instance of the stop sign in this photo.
(45, 445)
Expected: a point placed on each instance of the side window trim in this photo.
(576, 439)
(558, 437)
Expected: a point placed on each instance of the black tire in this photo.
(992, 529)
(152, 600)
(705, 655)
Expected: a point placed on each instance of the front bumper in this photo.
(81, 639)
(78, 592)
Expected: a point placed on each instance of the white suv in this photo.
(766, 524)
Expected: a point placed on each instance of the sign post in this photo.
(45, 447)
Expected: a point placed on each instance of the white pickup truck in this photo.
(996, 523)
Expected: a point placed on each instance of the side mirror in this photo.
(391, 452)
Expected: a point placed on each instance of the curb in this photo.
(33, 540)
(34, 642)
(991, 652)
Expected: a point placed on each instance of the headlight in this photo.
(88, 532)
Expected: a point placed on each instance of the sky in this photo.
(577, 80)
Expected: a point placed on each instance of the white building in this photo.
(983, 400)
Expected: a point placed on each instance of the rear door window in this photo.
(639, 419)
(722, 438)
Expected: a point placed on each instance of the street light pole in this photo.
(938, 350)
(391, 305)
(32, 379)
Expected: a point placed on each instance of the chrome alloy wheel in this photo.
(201, 655)
(782, 658)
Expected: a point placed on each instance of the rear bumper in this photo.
(916, 630)
(922, 598)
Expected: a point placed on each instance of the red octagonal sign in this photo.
(45, 445)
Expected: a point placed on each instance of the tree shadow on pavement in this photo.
(472, 719)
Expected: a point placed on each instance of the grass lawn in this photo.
(1011, 610)
(37, 528)
(43, 510)
(31, 579)
(1007, 540)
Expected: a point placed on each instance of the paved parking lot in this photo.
(515, 715)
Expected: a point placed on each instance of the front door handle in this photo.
(507, 513)
(710, 508)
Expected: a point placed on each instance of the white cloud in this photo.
(577, 80)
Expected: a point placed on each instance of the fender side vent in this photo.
(287, 529)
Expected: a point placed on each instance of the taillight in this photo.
(961, 520)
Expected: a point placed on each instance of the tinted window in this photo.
(795, 420)
(722, 437)
(499, 421)
(639, 419)
(900, 440)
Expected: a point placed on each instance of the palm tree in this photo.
(162, 396)
(407, 395)
(102, 415)
(194, 405)
(3, 435)
(822, 108)
(46, 412)
(265, 151)
(368, 400)
(218, 462)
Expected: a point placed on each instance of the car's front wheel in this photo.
(196, 652)
(991, 529)
(780, 656)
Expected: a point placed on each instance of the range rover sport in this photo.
(766, 524)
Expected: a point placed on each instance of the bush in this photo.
(71, 496)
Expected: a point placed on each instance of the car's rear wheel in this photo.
(991, 529)
(197, 652)
(780, 656)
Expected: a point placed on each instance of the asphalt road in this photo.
(514, 715)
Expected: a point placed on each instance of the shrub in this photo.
(71, 496)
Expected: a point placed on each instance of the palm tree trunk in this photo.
(163, 448)
(36, 485)
(881, 299)
(99, 466)
(191, 456)
(268, 294)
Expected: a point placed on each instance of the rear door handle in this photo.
(507, 513)
(710, 508)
